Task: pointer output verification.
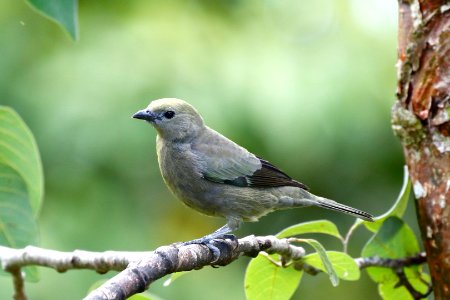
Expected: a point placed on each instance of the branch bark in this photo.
(421, 118)
(140, 269)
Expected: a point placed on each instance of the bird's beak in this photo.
(146, 115)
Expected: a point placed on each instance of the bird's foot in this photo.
(229, 236)
(208, 241)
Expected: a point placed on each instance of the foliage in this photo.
(392, 238)
(395, 239)
(63, 12)
(21, 184)
(19, 151)
(238, 70)
(266, 279)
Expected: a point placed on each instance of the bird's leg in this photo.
(222, 232)
(232, 225)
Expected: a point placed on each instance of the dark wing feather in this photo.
(267, 176)
(271, 176)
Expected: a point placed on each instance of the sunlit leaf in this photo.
(19, 151)
(63, 12)
(328, 266)
(18, 227)
(320, 226)
(266, 281)
(344, 265)
(389, 290)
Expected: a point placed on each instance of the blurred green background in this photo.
(307, 85)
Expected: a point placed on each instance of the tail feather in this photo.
(295, 197)
(333, 205)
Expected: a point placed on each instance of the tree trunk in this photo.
(421, 118)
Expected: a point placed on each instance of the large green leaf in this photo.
(19, 151)
(18, 227)
(63, 12)
(266, 281)
(320, 226)
(328, 266)
(344, 265)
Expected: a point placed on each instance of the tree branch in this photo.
(140, 269)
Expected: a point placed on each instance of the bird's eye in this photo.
(169, 114)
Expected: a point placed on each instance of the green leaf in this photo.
(328, 266)
(320, 226)
(18, 150)
(393, 240)
(389, 290)
(344, 265)
(399, 207)
(63, 12)
(266, 281)
(173, 277)
(18, 227)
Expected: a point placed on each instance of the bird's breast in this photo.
(181, 171)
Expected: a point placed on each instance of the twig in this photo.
(19, 289)
(100, 262)
(392, 263)
(398, 266)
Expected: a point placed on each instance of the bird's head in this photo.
(174, 119)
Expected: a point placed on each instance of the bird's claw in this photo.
(209, 242)
(229, 236)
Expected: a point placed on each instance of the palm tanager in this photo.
(216, 176)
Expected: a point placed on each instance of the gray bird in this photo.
(216, 176)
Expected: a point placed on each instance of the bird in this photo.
(217, 177)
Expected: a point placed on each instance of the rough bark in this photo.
(420, 118)
(140, 269)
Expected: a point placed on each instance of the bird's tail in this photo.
(333, 205)
(295, 197)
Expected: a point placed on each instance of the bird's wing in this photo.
(226, 162)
